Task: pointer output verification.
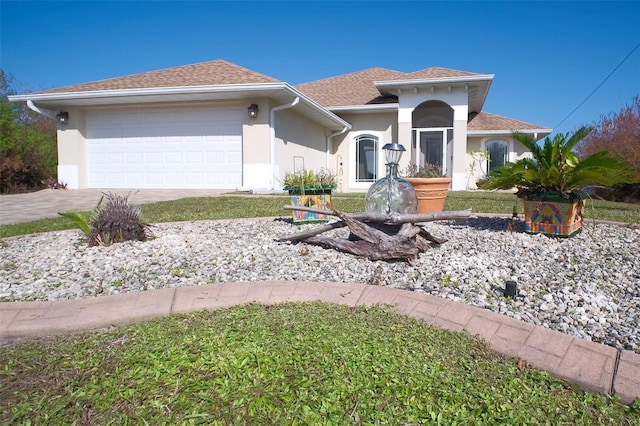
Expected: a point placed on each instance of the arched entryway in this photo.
(432, 135)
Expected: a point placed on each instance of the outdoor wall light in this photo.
(62, 117)
(253, 111)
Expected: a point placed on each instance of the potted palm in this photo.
(430, 184)
(553, 181)
(310, 189)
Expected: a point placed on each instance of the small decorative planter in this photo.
(318, 198)
(431, 192)
(552, 181)
(551, 214)
(308, 188)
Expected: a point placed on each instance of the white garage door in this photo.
(177, 148)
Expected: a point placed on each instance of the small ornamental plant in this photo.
(51, 183)
(115, 221)
(306, 180)
(429, 170)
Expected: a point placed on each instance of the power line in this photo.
(599, 85)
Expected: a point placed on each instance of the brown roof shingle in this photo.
(438, 72)
(491, 122)
(211, 73)
(358, 88)
(349, 89)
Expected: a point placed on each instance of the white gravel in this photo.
(587, 286)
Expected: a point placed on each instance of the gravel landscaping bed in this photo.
(587, 286)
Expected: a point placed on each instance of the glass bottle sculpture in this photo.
(392, 194)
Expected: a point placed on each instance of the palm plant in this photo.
(556, 168)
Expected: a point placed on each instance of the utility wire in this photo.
(599, 85)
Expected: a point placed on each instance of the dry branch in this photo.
(377, 236)
(311, 232)
(395, 218)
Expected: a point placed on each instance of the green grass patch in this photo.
(196, 208)
(504, 203)
(37, 226)
(308, 364)
(233, 207)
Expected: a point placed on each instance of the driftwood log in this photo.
(377, 236)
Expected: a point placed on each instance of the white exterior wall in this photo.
(72, 151)
(476, 166)
(381, 125)
(256, 147)
(299, 143)
(458, 174)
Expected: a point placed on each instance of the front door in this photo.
(431, 149)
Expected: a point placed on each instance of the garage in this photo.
(198, 148)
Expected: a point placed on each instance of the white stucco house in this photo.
(221, 126)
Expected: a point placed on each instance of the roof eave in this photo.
(364, 108)
(152, 91)
(433, 81)
(339, 123)
(481, 81)
(167, 94)
(540, 132)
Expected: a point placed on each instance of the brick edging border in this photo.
(595, 367)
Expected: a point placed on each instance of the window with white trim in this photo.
(366, 158)
(497, 153)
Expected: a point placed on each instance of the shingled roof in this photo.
(349, 89)
(485, 121)
(211, 73)
(358, 88)
(352, 89)
(437, 72)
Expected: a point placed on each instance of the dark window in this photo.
(366, 158)
(498, 153)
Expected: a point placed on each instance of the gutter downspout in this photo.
(272, 121)
(331, 136)
(42, 111)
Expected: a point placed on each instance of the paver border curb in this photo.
(593, 366)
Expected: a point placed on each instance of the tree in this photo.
(28, 147)
(618, 133)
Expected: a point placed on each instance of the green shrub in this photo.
(28, 146)
(624, 193)
(116, 221)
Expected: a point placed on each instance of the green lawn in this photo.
(230, 207)
(501, 202)
(304, 363)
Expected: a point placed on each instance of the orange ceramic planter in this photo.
(431, 193)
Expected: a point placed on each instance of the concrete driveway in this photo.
(17, 208)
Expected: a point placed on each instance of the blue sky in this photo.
(547, 57)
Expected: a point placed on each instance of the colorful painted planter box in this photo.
(315, 198)
(553, 215)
